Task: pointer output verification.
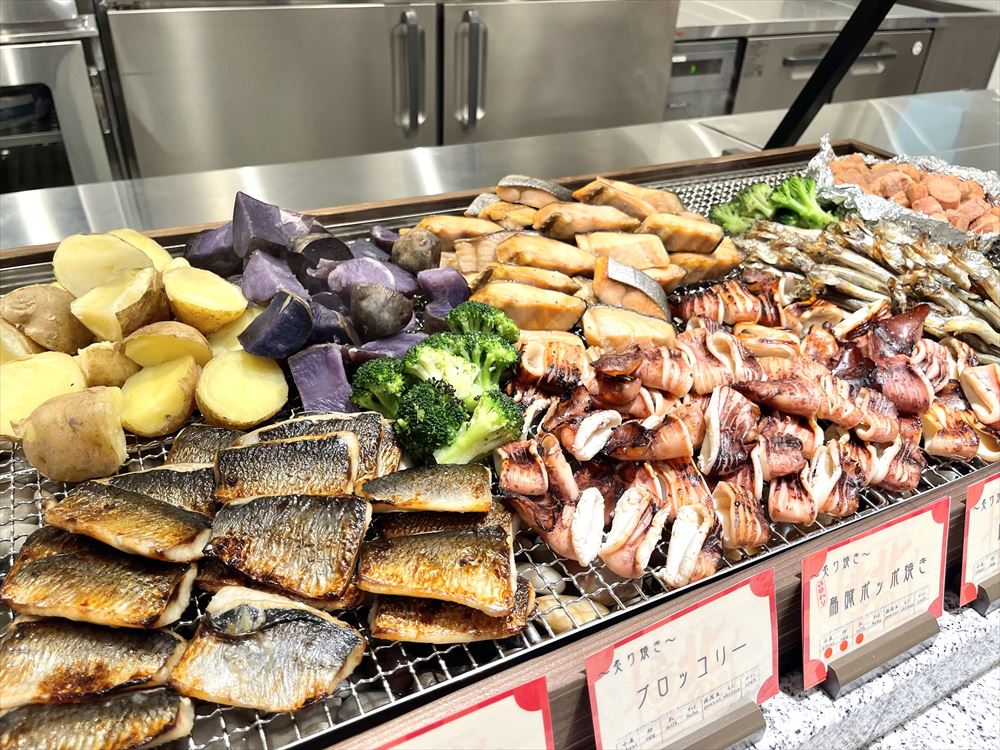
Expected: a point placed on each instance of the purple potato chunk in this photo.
(434, 315)
(331, 326)
(318, 374)
(264, 275)
(417, 250)
(403, 282)
(349, 273)
(320, 246)
(444, 284)
(367, 249)
(333, 302)
(282, 329)
(264, 226)
(394, 346)
(213, 251)
(383, 237)
(379, 311)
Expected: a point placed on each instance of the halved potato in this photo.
(200, 298)
(14, 345)
(159, 399)
(150, 247)
(130, 300)
(42, 313)
(105, 363)
(84, 261)
(225, 339)
(240, 390)
(161, 342)
(27, 383)
(76, 436)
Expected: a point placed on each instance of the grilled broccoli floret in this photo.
(784, 216)
(453, 343)
(498, 419)
(435, 360)
(798, 194)
(378, 384)
(478, 317)
(755, 201)
(429, 417)
(729, 217)
(493, 355)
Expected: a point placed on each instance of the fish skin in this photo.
(542, 192)
(52, 660)
(263, 651)
(472, 567)
(132, 522)
(145, 719)
(367, 425)
(406, 618)
(391, 525)
(189, 486)
(60, 574)
(199, 444)
(319, 465)
(455, 488)
(301, 543)
(563, 221)
(214, 575)
(389, 452)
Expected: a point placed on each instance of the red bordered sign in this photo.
(981, 545)
(518, 719)
(667, 680)
(864, 587)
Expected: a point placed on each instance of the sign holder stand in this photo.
(989, 594)
(848, 668)
(744, 722)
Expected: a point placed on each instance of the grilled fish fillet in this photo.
(450, 228)
(145, 719)
(214, 575)
(132, 522)
(189, 486)
(263, 651)
(471, 567)
(448, 487)
(315, 464)
(641, 251)
(564, 221)
(555, 281)
(530, 191)
(367, 425)
(662, 200)
(602, 192)
(302, 543)
(405, 618)
(392, 525)
(614, 329)
(681, 234)
(199, 444)
(508, 215)
(532, 308)
(541, 252)
(59, 574)
(59, 661)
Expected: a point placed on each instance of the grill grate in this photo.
(392, 674)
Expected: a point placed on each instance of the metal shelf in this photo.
(42, 138)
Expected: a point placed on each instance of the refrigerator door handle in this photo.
(474, 34)
(408, 37)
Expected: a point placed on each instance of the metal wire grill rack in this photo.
(394, 674)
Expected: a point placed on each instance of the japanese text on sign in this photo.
(669, 679)
(981, 551)
(517, 719)
(870, 584)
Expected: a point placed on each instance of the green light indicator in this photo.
(694, 69)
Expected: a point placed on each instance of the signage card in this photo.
(867, 585)
(669, 679)
(981, 549)
(517, 719)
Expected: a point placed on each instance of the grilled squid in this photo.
(520, 468)
(700, 321)
(819, 345)
(706, 303)
(879, 423)
(601, 475)
(934, 361)
(636, 527)
(678, 483)
(903, 471)
(647, 404)
(846, 493)
(586, 436)
(837, 406)
(632, 441)
(769, 288)
(730, 426)
(738, 305)
(896, 335)
(709, 558)
(962, 355)
(801, 317)
(739, 360)
(666, 369)
(824, 473)
(777, 455)
(981, 386)
(989, 439)
(749, 477)
(763, 341)
(571, 407)
(861, 455)
(587, 526)
(744, 525)
(906, 386)
(910, 429)
(552, 360)
(945, 433)
(708, 371)
(687, 537)
(613, 390)
(808, 432)
(779, 368)
(795, 395)
(562, 485)
(790, 501)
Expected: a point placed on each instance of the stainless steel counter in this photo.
(959, 126)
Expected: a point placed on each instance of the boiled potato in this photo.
(42, 313)
(150, 247)
(240, 390)
(76, 436)
(159, 399)
(161, 342)
(14, 345)
(105, 363)
(225, 339)
(84, 261)
(200, 298)
(130, 300)
(27, 383)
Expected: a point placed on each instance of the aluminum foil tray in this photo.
(395, 675)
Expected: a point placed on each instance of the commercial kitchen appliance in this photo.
(701, 78)
(55, 123)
